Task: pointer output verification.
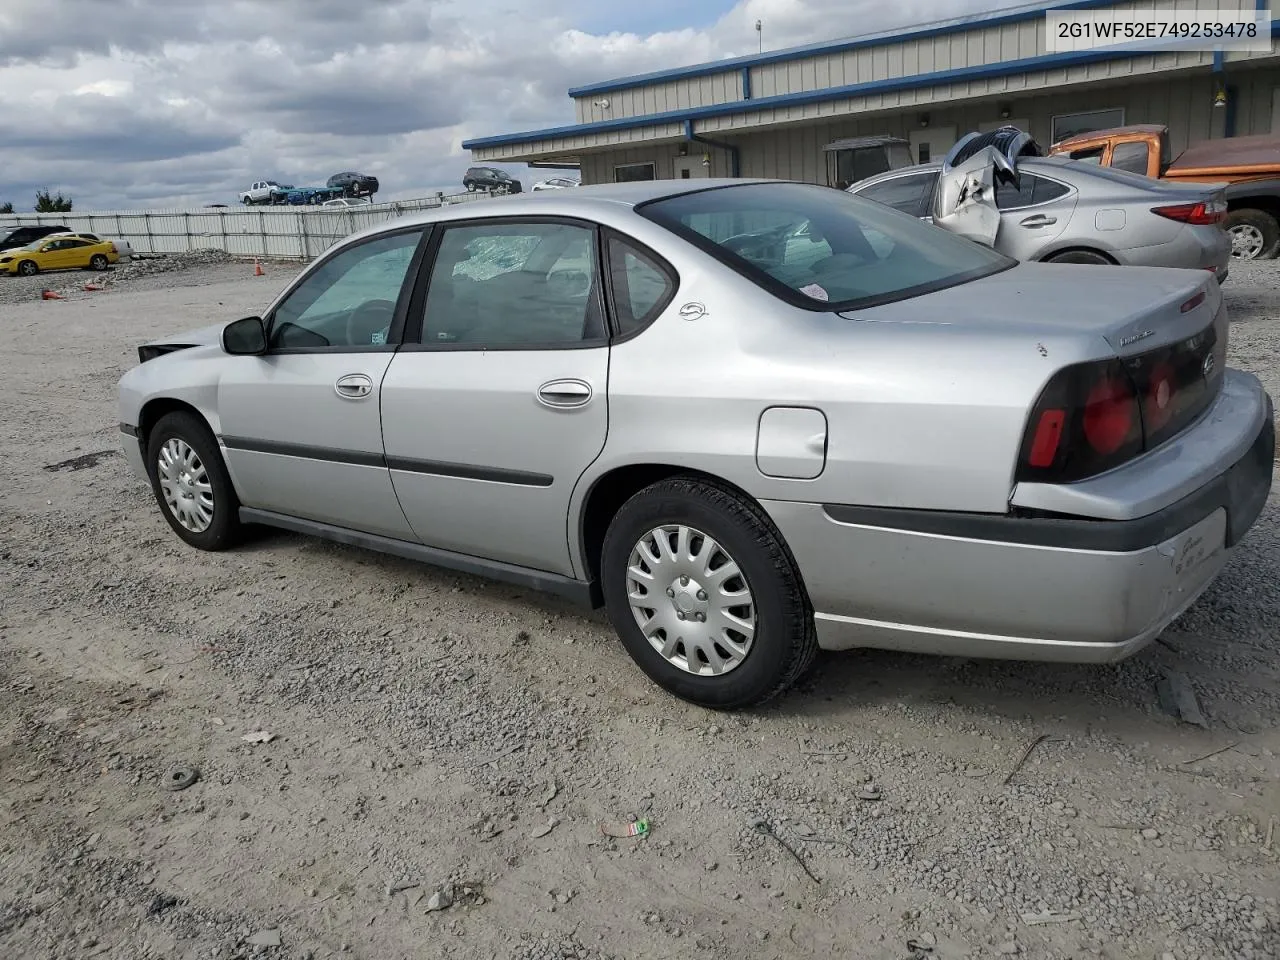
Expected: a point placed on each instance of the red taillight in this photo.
(1087, 420)
(1044, 444)
(1159, 406)
(112, 246)
(1109, 414)
(1198, 214)
(1194, 301)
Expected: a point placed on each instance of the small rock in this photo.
(1150, 833)
(869, 792)
(1008, 948)
(543, 829)
(713, 730)
(88, 942)
(442, 899)
(265, 938)
(711, 865)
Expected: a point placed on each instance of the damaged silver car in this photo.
(999, 190)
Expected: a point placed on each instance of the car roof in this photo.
(583, 201)
(1110, 132)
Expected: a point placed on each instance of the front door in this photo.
(492, 417)
(930, 144)
(301, 424)
(691, 168)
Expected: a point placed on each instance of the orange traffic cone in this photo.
(50, 295)
(257, 268)
(93, 286)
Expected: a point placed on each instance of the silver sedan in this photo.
(744, 445)
(1064, 210)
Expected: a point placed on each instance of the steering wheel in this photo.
(371, 317)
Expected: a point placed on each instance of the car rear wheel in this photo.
(99, 262)
(28, 268)
(705, 596)
(1255, 234)
(1080, 256)
(191, 482)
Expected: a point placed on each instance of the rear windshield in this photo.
(820, 248)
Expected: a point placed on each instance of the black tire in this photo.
(1081, 256)
(224, 529)
(28, 268)
(785, 640)
(1261, 226)
(471, 187)
(99, 262)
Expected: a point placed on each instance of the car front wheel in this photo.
(28, 268)
(191, 482)
(705, 596)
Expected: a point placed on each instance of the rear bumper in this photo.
(1068, 590)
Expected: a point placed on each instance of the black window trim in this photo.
(395, 333)
(413, 327)
(794, 297)
(611, 295)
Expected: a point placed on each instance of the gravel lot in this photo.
(440, 741)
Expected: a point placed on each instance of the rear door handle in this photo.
(354, 386)
(1039, 220)
(565, 393)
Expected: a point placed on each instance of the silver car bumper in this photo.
(1068, 590)
(132, 448)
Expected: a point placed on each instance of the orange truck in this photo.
(1249, 166)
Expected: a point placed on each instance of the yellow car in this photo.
(62, 251)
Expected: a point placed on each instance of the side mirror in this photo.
(247, 337)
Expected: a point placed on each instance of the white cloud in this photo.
(169, 102)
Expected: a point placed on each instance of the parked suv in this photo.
(13, 237)
(490, 178)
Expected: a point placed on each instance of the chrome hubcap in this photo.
(691, 600)
(185, 485)
(1246, 241)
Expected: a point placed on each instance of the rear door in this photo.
(1033, 214)
(493, 414)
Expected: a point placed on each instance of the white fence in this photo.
(270, 232)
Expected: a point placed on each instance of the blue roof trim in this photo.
(689, 114)
(945, 28)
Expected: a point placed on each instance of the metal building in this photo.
(775, 114)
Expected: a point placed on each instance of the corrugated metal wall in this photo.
(795, 151)
(974, 47)
(271, 232)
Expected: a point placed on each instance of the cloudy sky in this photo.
(124, 104)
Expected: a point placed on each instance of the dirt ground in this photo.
(437, 739)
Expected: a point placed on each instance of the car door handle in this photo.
(1039, 220)
(354, 386)
(565, 393)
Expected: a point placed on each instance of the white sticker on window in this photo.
(815, 291)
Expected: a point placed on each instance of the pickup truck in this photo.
(264, 191)
(1249, 166)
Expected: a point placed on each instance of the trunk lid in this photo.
(1133, 308)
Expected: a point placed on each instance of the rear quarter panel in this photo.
(920, 413)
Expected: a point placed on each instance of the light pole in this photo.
(759, 38)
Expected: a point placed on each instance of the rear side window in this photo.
(822, 249)
(642, 286)
(908, 194)
(1031, 190)
(1130, 156)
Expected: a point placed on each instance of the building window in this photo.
(626, 172)
(1073, 124)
